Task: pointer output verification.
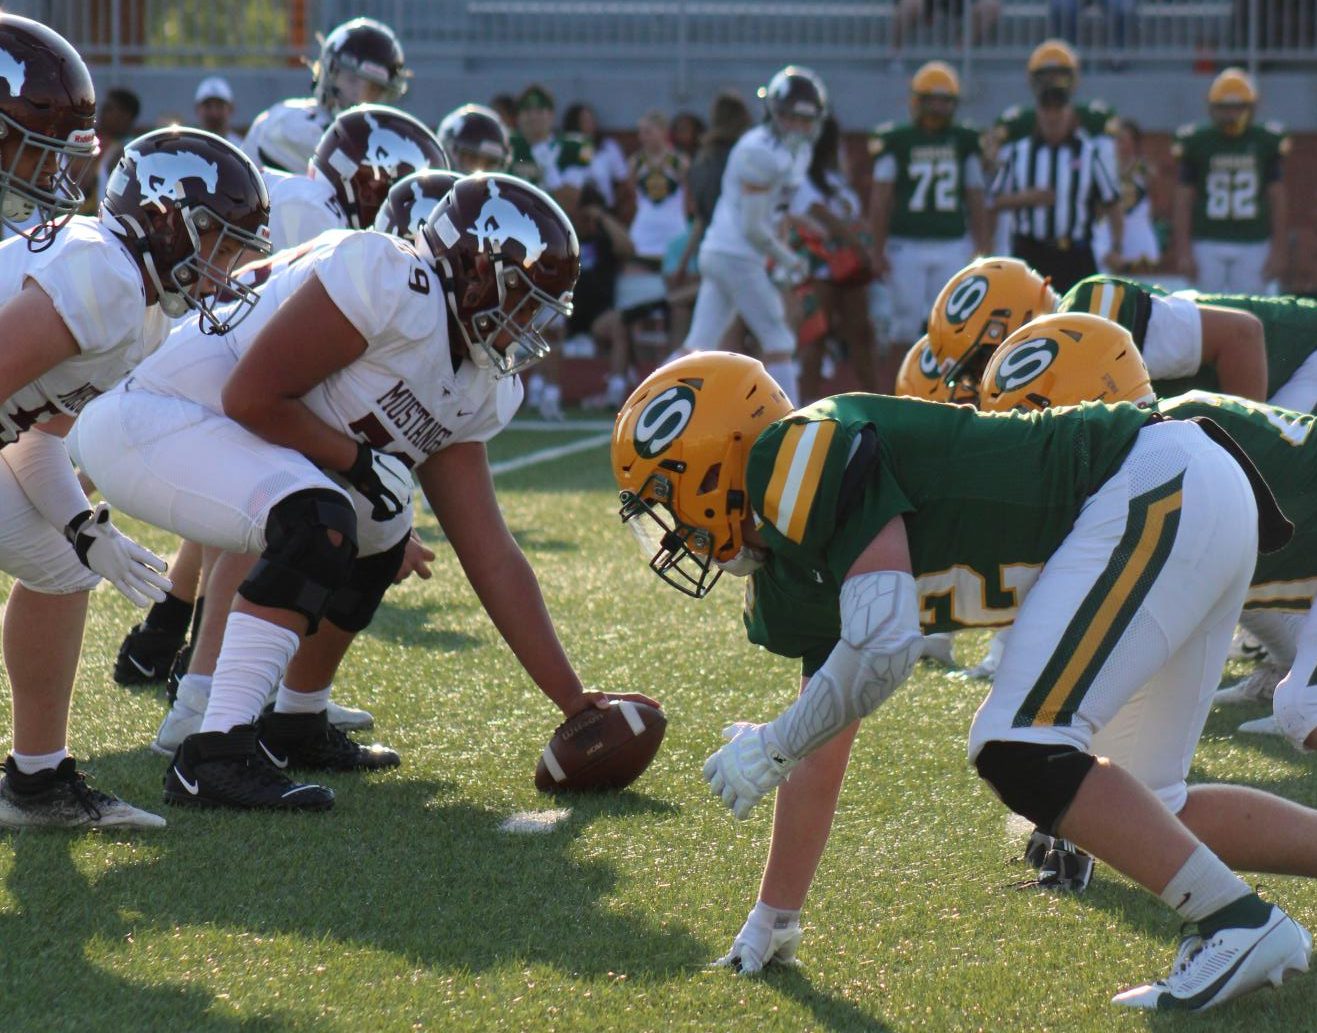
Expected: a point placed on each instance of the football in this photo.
(601, 748)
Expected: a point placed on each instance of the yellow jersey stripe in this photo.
(1105, 300)
(1142, 554)
(786, 451)
(803, 480)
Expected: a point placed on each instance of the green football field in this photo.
(409, 908)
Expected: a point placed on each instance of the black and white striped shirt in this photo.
(1080, 170)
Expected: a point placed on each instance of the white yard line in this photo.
(547, 455)
(552, 425)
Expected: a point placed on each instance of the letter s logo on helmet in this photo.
(661, 421)
(966, 298)
(1025, 362)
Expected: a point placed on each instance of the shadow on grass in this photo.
(831, 1011)
(49, 983)
(413, 623)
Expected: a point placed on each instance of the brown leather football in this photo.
(601, 748)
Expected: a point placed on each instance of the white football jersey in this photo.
(301, 208)
(402, 395)
(285, 135)
(758, 158)
(96, 287)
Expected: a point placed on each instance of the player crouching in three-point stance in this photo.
(367, 360)
(860, 518)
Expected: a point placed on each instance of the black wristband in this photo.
(360, 467)
(73, 526)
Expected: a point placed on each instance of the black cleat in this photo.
(176, 671)
(310, 741)
(61, 798)
(225, 769)
(146, 654)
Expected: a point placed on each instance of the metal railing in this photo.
(683, 33)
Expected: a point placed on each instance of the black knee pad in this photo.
(1037, 780)
(301, 567)
(353, 606)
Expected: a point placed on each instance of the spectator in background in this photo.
(687, 131)
(909, 13)
(828, 221)
(214, 108)
(1064, 18)
(1142, 252)
(558, 163)
(603, 155)
(506, 106)
(729, 118)
(114, 127)
(658, 181)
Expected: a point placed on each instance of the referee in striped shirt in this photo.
(1056, 183)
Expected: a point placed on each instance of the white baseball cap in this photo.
(214, 87)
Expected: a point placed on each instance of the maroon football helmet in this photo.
(47, 139)
(365, 151)
(411, 200)
(476, 139)
(171, 186)
(795, 93)
(509, 259)
(360, 51)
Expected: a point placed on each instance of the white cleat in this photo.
(1262, 726)
(349, 719)
(1258, 687)
(1228, 963)
(937, 647)
(184, 717)
(1245, 646)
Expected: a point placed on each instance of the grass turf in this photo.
(407, 909)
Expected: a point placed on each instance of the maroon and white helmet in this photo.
(170, 187)
(798, 94)
(47, 134)
(365, 151)
(476, 139)
(411, 200)
(509, 259)
(360, 61)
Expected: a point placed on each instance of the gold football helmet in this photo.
(918, 375)
(1053, 72)
(1231, 100)
(1065, 359)
(679, 452)
(977, 310)
(934, 93)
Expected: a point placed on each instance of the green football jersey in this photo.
(1289, 325)
(928, 194)
(523, 164)
(1283, 447)
(1230, 176)
(1017, 122)
(987, 498)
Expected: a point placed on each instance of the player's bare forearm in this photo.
(979, 224)
(1234, 343)
(802, 821)
(288, 422)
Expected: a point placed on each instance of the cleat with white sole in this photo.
(1225, 964)
(1262, 726)
(60, 797)
(1258, 687)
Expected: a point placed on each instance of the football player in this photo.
(926, 206)
(361, 155)
(1263, 348)
(862, 519)
(360, 62)
(182, 207)
(1069, 358)
(298, 437)
(975, 311)
(1231, 198)
(411, 200)
(765, 168)
(475, 139)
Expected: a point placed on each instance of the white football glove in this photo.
(748, 767)
(136, 572)
(789, 273)
(769, 937)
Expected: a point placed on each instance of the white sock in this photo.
(251, 661)
(1203, 885)
(784, 372)
(290, 701)
(31, 763)
(193, 692)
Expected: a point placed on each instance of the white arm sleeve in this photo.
(757, 219)
(974, 172)
(880, 642)
(40, 463)
(1295, 702)
(884, 169)
(1173, 340)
